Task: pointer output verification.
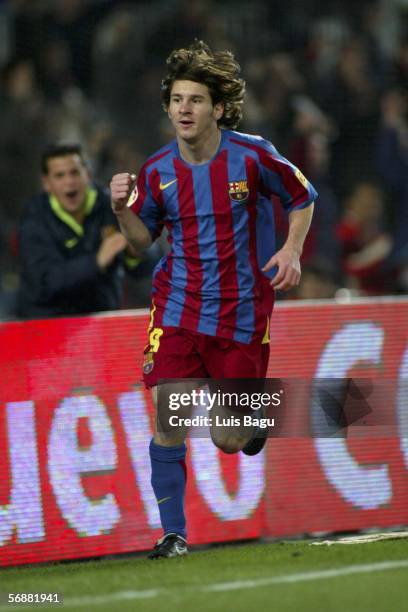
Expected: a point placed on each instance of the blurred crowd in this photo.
(327, 83)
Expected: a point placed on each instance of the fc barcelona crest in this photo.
(238, 191)
(148, 363)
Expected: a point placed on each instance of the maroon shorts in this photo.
(174, 352)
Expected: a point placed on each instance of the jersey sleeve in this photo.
(146, 204)
(281, 178)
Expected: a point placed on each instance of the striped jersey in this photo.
(220, 221)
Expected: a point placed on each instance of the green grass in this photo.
(182, 582)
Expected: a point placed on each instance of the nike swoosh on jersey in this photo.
(164, 186)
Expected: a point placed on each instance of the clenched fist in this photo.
(121, 187)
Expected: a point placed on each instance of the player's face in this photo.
(67, 180)
(192, 112)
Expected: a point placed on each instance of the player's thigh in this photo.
(228, 359)
(171, 354)
(173, 403)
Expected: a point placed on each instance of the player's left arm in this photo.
(287, 259)
(297, 196)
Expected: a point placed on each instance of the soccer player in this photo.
(213, 293)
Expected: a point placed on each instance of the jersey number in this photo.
(154, 339)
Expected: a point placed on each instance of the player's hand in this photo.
(121, 187)
(288, 274)
(110, 247)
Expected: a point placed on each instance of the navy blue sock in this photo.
(169, 483)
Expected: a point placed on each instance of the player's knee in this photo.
(228, 443)
(230, 447)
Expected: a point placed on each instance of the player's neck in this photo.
(201, 151)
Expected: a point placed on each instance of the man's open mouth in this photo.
(71, 194)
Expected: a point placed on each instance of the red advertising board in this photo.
(337, 484)
(75, 424)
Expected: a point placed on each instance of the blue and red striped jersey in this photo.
(221, 231)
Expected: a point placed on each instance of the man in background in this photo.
(71, 251)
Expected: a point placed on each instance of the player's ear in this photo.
(218, 110)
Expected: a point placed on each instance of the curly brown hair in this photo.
(219, 71)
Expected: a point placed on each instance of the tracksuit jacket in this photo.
(59, 272)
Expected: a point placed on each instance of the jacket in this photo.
(59, 274)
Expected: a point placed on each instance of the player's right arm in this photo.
(132, 227)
